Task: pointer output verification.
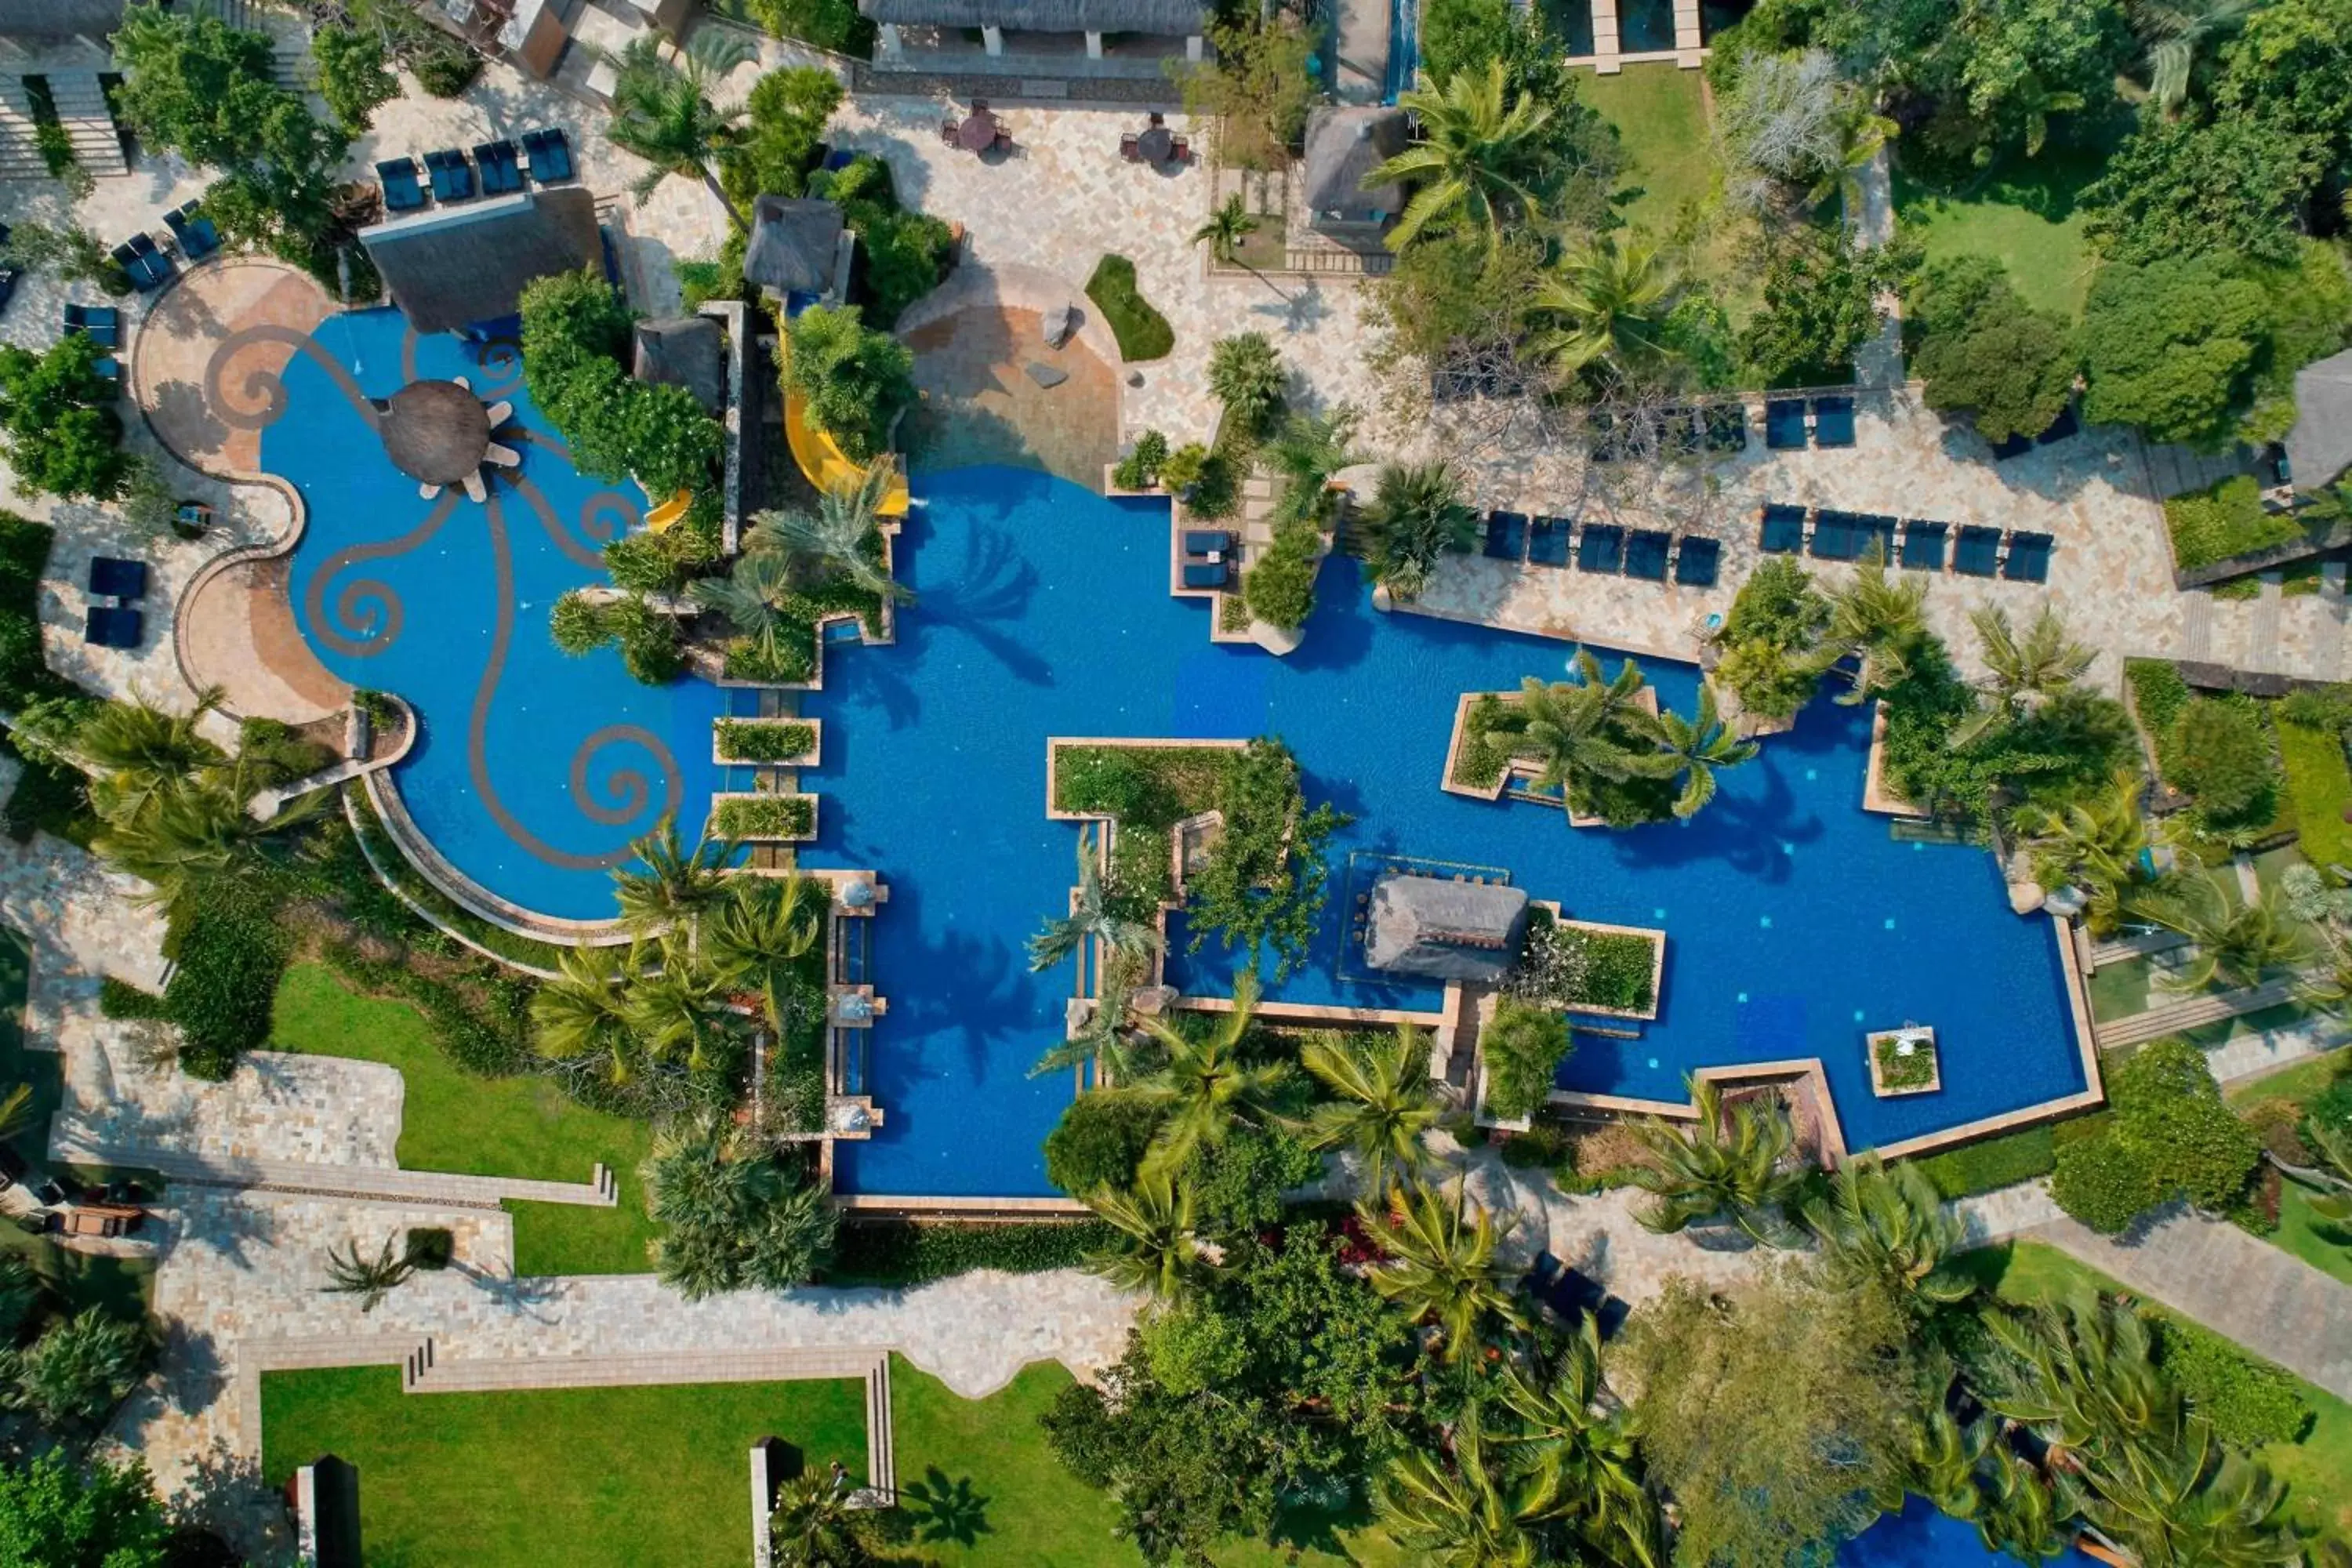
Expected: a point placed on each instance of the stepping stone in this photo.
(1046, 374)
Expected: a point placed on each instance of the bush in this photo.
(445, 71)
(783, 133)
(765, 816)
(743, 740)
(1139, 470)
(1523, 1049)
(2249, 1401)
(2220, 751)
(2223, 519)
(1983, 352)
(576, 338)
(1990, 1164)
(898, 1252)
(901, 254)
(855, 379)
(2157, 693)
(828, 24)
(1143, 333)
(2099, 1179)
(1112, 782)
(57, 413)
(1280, 589)
(121, 999)
(2170, 347)
(2167, 1134)
(352, 76)
(2319, 786)
(230, 954)
(1568, 966)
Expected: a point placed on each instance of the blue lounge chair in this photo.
(103, 625)
(1726, 428)
(2028, 558)
(1876, 532)
(1697, 561)
(102, 324)
(2067, 424)
(1200, 542)
(146, 267)
(111, 577)
(1507, 535)
(501, 169)
(1207, 573)
(1784, 531)
(197, 236)
(453, 177)
(1547, 541)
(1923, 546)
(1784, 423)
(1978, 553)
(550, 155)
(1646, 554)
(1602, 548)
(1837, 536)
(1833, 421)
(402, 194)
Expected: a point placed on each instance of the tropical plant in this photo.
(815, 1525)
(1094, 916)
(1521, 1050)
(841, 534)
(1579, 730)
(1575, 1444)
(2079, 1372)
(2019, 1511)
(1304, 453)
(2098, 843)
(1606, 302)
(2190, 1504)
(2028, 673)
(1416, 515)
(143, 750)
(1205, 1086)
(680, 1006)
(1699, 747)
(1381, 1102)
(1720, 1166)
(197, 832)
(1156, 1249)
(1878, 620)
(2175, 33)
(1228, 225)
(755, 594)
(2235, 944)
(349, 1273)
(1474, 162)
(582, 1012)
(732, 1218)
(1461, 1515)
(1440, 1265)
(1889, 1228)
(666, 884)
(1245, 374)
(758, 934)
(78, 1369)
(662, 111)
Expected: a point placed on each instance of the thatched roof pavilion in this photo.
(1445, 929)
(793, 246)
(684, 350)
(2320, 447)
(447, 268)
(1343, 147)
(436, 431)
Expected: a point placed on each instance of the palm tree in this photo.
(2333, 1145)
(1204, 1086)
(2079, 1371)
(755, 594)
(1575, 1444)
(841, 534)
(15, 1111)
(1578, 730)
(1100, 1041)
(1608, 299)
(1699, 747)
(662, 111)
(197, 829)
(2018, 1512)
(1246, 375)
(1228, 225)
(1942, 1464)
(1156, 1250)
(1092, 916)
(1381, 1102)
(1306, 453)
(2192, 1503)
(2175, 33)
(369, 1279)
(2027, 675)
(2098, 844)
(1441, 1265)
(584, 1012)
(142, 751)
(1860, 134)
(1457, 1517)
(815, 1525)
(1473, 160)
(758, 935)
(1889, 1227)
(1719, 1166)
(2237, 944)
(1415, 516)
(680, 1006)
(668, 885)
(1879, 620)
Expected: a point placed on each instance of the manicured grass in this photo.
(2223, 519)
(2299, 1082)
(1009, 1502)
(1143, 333)
(451, 1120)
(562, 1478)
(2310, 1237)
(2022, 215)
(2119, 990)
(1661, 122)
(2317, 1470)
(2318, 788)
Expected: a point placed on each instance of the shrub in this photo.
(2171, 348)
(2100, 1179)
(2168, 1134)
(1141, 470)
(230, 956)
(742, 741)
(2249, 1401)
(121, 999)
(1569, 966)
(902, 1253)
(1982, 351)
(855, 379)
(2319, 785)
(447, 71)
(1522, 1049)
(1112, 782)
(828, 24)
(901, 253)
(2220, 753)
(1990, 1164)
(765, 816)
(1245, 374)
(783, 133)
(1280, 588)
(575, 337)
(1143, 333)
(352, 76)
(64, 437)
(2223, 519)
(2157, 693)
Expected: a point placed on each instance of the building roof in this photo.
(685, 350)
(1168, 18)
(450, 266)
(2320, 447)
(59, 19)
(1445, 929)
(1343, 146)
(792, 246)
(436, 431)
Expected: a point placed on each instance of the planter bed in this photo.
(767, 743)
(1894, 1072)
(756, 816)
(1620, 990)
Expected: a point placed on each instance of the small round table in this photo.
(978, 131)
(1155, 145)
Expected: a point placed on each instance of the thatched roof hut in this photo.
(685, 350)
(1343, 146)
(2320, 447)
(1445, 929)
(1163, 18)
(447, 268)
(436, 431)
(792, 244)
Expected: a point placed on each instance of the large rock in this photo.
(1045, 376)
(2025, 898)
(1059, 326)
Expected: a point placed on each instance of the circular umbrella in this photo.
(436, 431)
(1155, 144)
(978, 131)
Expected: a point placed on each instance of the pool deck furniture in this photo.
(1506, 536)
(1547, 541)
(1679, 433)
(1874, 533)
(1697, 561)
(102, 324)
(500, 168)
(197, 236)
(453, 177)
(1601, 548)
(106, 626)
(2028, 558)
(1923, 546)
(1155, 144)
(1837, 536)
(1601, 437)
(1978, 553)
(1208, 544)
(1834, 421)
(402, 193)
(549, 154)
(1198, 574)
(112, 577)
(1569, 1295)
(144, 260)
(1784, 423)
(1783, 529)
(1646, 552)
(980, 132)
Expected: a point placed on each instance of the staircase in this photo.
(20, 153)
(81, 110)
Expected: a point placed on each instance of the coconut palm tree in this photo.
(667, 884)
(2019, 1511)
(1416, 515)
(195, 830)
(1304, 453)
(680, 1006)
(1381, 1102)
(1441, 1264)
(841, 535)
(2236, 944)
(1575, 1445)
(1458, 1516)
(1699, 747)
(1245, 374)
(1889, 1227)
(140, 750)
(1474, 160)
(758, 934)
(815, 1525)
(2191, 1503)
(1157, 1250)
(584, 1012)
(1879, 620)
(754, 594)
(1092, 916)
(2095, 844)
(1100, 1040)
(1228, 225)
(16, 1112)
(1578, 730)
(1604, 302)
(2079, 1372)
(1205, 1088)
(1721, 1166)
(369, 1279)
(1941, 1464)
(662, 111)
(2174, 33)
(2028, 673)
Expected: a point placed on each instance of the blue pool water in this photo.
(1919, 1537)
(1793, 921)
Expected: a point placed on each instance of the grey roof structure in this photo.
(1343, 146)
(436, 431)
(449, 267)
(1166, 18)
(59, 19)
(792, 246)
(1445, 929)
(685, 350)
(2320, 447)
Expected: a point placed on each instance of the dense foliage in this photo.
(783, 133)
(2169, 346)
(2165, 1134)
(57, 413)
(575, 342)
(901, 253)
(1983, 353)
(856, 379)
(1263, 889)
(55, 1514)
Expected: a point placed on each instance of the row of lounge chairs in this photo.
(1916, 545)
(118, 624)
(497, 169)
(1789, 422)
(1652, 555)
(1208, 558)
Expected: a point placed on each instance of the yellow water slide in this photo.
(818, 454)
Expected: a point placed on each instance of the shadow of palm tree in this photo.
(944, 1509)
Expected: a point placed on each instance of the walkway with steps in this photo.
(2191, 1012)
(2197, 624)
(81, 110)
(2263, 646)
(2143, 944)
(367, 1183)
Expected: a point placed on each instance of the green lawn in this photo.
(563, 1478)
(1661, 119)
(2317, 1470)
(2022, 214)
(484, 1127)
(2300, 1082)
(2318, 787)
(2118, 990)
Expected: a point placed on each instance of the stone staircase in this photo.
(81, 110)
(369, 1183)
(20, 153)
(2191, 1013)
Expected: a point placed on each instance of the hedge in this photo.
(2224, 520)
(750, 741)
(768, 817)
(900, 1252)
(2318, 788)
(121, 999)
(1990, 1165)
(1143, 333)
(231, 951)
(2249, 1401)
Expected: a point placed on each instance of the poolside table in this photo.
(1923, 546)
(1157, 144)
(1978, 553)
(1646, 554)
(1783, 531)
(1697, 561)
(1602, 548)
(978, 131)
